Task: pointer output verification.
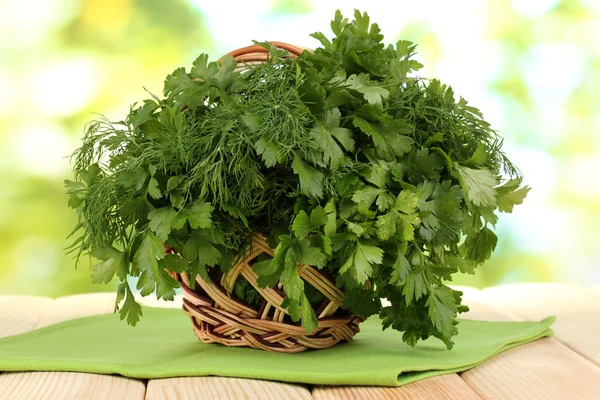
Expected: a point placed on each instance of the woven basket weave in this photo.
(219, 317)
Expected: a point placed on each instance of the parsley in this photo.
(344, 158)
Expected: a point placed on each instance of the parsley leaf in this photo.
(311, 180)
(360, 264)
(114, 261)
(509, 195)
(478, 185)
(130, 309)
(161, 221)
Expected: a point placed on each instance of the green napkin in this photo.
(163, 345)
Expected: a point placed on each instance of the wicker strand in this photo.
(219, 317)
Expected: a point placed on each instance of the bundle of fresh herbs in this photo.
(343, 157)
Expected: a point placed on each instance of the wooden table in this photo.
(566, 366)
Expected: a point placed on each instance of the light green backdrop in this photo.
(532, 67)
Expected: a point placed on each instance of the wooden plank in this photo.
(544, 369)
(213, 387)
(64, 385)
(448, 386)
(68, 385)
(77, 306)
(20, 314)
(441, 387)
(577, 312)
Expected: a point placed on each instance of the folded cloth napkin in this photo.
(163, 345)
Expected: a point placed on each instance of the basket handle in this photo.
(259, 53)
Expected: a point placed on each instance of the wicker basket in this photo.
(218, 316)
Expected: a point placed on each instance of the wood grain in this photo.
(577, 312)
(77, 306)
(441, 387)
(212, 387)
(62, 385)
(544, 369)
(68, 385)
(19, 314)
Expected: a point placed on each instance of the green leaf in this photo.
(463, 265)
(331, 223)
(338, 23)
(387, 138)
(173, 262)
(302, 225)
(355, 228)
(347, 184)
(309, 319)
(293, 308)
(179, 220)
(415, 287)
(406, 202)
(130, 309)
(377, 174)
(268, 151)
(134, 178)
(270, 272)
(105, 253)
(153, 189)
(310, 255)
(384, 201)
(114, 261)
(386, 226)
(293, 285)
(442, 310)
(402, 218)
(318, 216)
(146, 283)
(321, 38)
(161, 221)
(265, 267)
(373, 93)
(323, 243)
(226, 72)
(202, 69)
(510, 195)
(344, 136)
(360, 263)
(149, 252)
(311, 180)
(402, 269)
(146, 259)
(76, 191)
(478, 185)
(367, 195)
(440, 211)
(481, 245)
(208, 254)
(176, 199)
(199, 214)
(479, 156)
(200, 247)
(332, 153)
(174, 182)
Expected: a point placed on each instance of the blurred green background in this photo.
(532, 67)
